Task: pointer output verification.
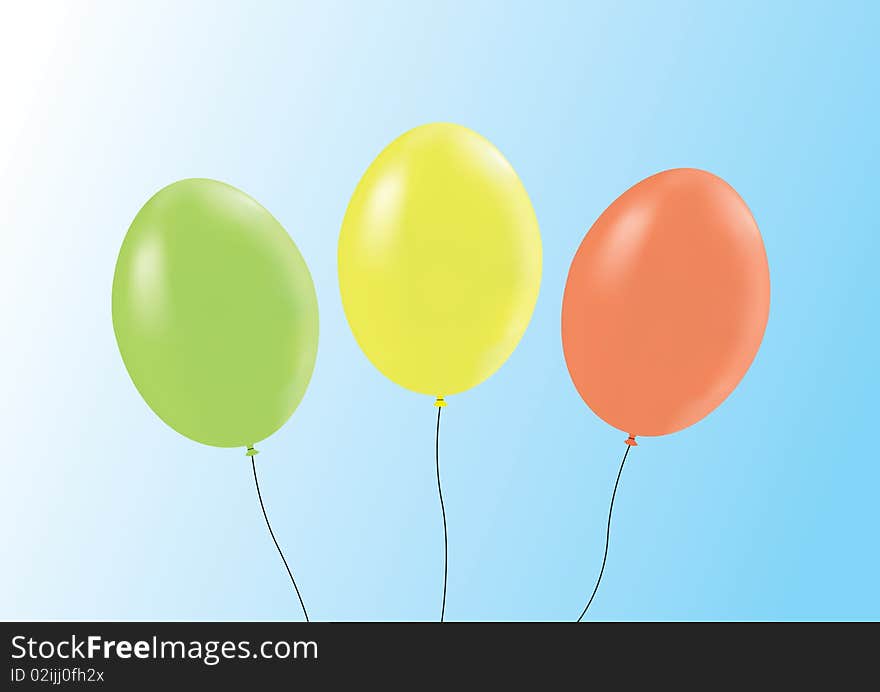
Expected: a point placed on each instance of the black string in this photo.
(443, 510)
(272, 533)
(607, 536)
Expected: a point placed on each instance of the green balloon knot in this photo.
(251, 452)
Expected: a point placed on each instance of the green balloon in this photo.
(215, 313)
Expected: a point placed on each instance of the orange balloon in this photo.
(666, 303)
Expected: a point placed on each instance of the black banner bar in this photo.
(144, 655)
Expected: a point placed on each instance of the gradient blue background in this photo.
(767, 509)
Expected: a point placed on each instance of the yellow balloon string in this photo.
(440, 404)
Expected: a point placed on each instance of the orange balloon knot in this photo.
(631, 441)
(440, 402)
(251, 452)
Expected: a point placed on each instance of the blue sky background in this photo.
(767, 509)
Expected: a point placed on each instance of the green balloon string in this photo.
(251, 452)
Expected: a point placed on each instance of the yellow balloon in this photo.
(439, 260)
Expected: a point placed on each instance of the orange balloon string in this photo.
(607, 532)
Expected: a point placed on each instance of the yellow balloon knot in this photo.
(251, 452)
(440, 402)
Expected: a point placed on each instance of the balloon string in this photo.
(274, 540)
(607, 536)
(443, 511)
